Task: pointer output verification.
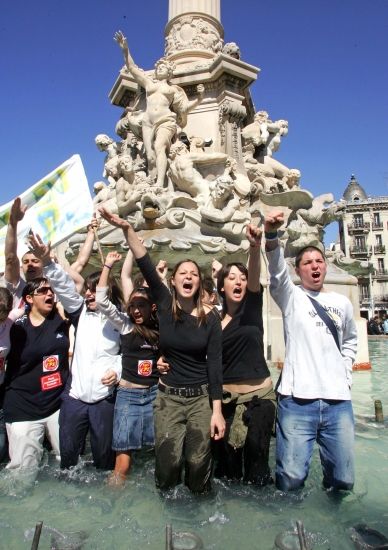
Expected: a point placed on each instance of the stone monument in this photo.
(194, 163)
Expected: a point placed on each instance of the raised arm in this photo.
(139, 76)
(86, 249)
(12, 263)
(273, 221)
(254, 235)
(134, 243)
(60, 281)
(126, 276)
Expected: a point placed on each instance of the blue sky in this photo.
(324, 68)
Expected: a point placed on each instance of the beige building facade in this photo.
(363, 233)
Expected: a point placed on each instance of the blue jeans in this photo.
(300, 422)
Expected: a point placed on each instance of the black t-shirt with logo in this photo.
(37, 368)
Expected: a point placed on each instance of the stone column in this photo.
(210, 7)
(194, 30)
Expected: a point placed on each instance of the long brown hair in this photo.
(176, 310)
(149, 330)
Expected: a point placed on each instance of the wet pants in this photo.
(182, 439)
(76, 418)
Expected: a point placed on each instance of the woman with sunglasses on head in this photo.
(190, 341)
(248, 399)
(133, 423)
(36, 374)
(88, 400)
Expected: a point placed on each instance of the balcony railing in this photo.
(381, 274)
(379, 249)
(380, 299)
(377, 226)
(358, 251)
(358, 227)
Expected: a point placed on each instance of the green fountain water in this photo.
(79, 511)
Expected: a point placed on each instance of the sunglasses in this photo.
(43, 290)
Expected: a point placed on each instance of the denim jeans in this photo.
(300, 422)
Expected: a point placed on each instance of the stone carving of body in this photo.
(166, 108)
(222, 204)
(185, 175)
(305, 227)
(112, 149)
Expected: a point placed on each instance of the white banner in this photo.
(58, 205)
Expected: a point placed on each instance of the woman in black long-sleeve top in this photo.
(190, 341)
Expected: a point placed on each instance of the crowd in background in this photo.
(378, 324)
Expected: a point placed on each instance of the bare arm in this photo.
(110, 260)
(137, 74)
(126, 276)
(254, 237)
(12, 263)
(86, 249)
(134, 243)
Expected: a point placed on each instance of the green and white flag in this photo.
(57, 206)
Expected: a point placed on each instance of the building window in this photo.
(379, 240)
(359, 242)
(380, 265)
(376, 218)
(364, 291)
(358, 220)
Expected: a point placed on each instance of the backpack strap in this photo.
(326, 319)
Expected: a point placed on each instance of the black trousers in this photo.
(76, 418)
(250, 462)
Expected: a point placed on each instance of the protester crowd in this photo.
(174, 363)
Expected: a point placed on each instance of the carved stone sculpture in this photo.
(166, 108)
(192, 32)
(305, 227)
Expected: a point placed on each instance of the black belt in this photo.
(190, 391)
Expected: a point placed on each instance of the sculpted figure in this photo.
(231, 48)
(222, 204)
(276, 131)
(184, 174)
(292, 178)
(257, 133)
(305, 227)
(166, 108)
(106, 195)
(135, 149)
(107, 144)
(112, 149)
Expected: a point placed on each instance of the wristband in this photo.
(271, 235)
(108, 266)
